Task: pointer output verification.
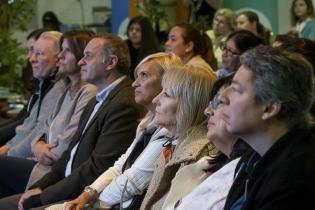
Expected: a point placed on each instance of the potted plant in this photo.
(14, 16)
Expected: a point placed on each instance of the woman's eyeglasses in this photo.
(223, 47)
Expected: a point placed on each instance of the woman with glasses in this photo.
(204, 185)
(236, 44)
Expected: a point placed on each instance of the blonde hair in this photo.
(191, 86)
(229, 14)
(164, 60)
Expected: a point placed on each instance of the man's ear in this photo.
(189, 47)
(271, 110)
(111, 62)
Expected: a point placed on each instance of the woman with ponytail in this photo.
(192, 46)
(249, 20)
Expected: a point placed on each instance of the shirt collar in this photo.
(102, 95)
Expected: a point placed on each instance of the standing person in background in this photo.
(51, 21)
(193, 47)
(201, 9)
(222, 25)
(302, 18)
(142, 41)
(249, 20)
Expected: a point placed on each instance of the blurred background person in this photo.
(249, 20)
(192, 46)
(236, 44)
(51, 21)
(223, 24)
(142, 41)
(302, 18)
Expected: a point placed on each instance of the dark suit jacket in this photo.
(107, 136)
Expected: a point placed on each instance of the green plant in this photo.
(156, 14)
(202, 23)
(14, 16)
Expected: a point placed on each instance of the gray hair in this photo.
(55, 37)
(283, 77)
(114, 45)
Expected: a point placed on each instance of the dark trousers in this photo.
(14, 175)
(11, 203)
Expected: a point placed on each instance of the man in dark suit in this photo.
(106, 128)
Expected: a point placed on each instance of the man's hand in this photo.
(4, 149)
(28, 194)
(43, 153)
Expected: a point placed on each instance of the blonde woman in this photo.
(179, 109)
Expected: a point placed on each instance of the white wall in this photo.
(67, 11)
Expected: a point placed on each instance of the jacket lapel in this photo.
(112, 94)
(84, 118)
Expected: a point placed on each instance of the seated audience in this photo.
(60, 128)
(135, 168)
(236, 44)
(193, 47)
(268, 106)
(205, 184)
(179, 109)
(106, 128)
(63, 123)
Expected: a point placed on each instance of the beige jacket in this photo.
(188, 151)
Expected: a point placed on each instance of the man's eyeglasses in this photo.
(223, 47)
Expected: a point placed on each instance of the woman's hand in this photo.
(81, 201)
